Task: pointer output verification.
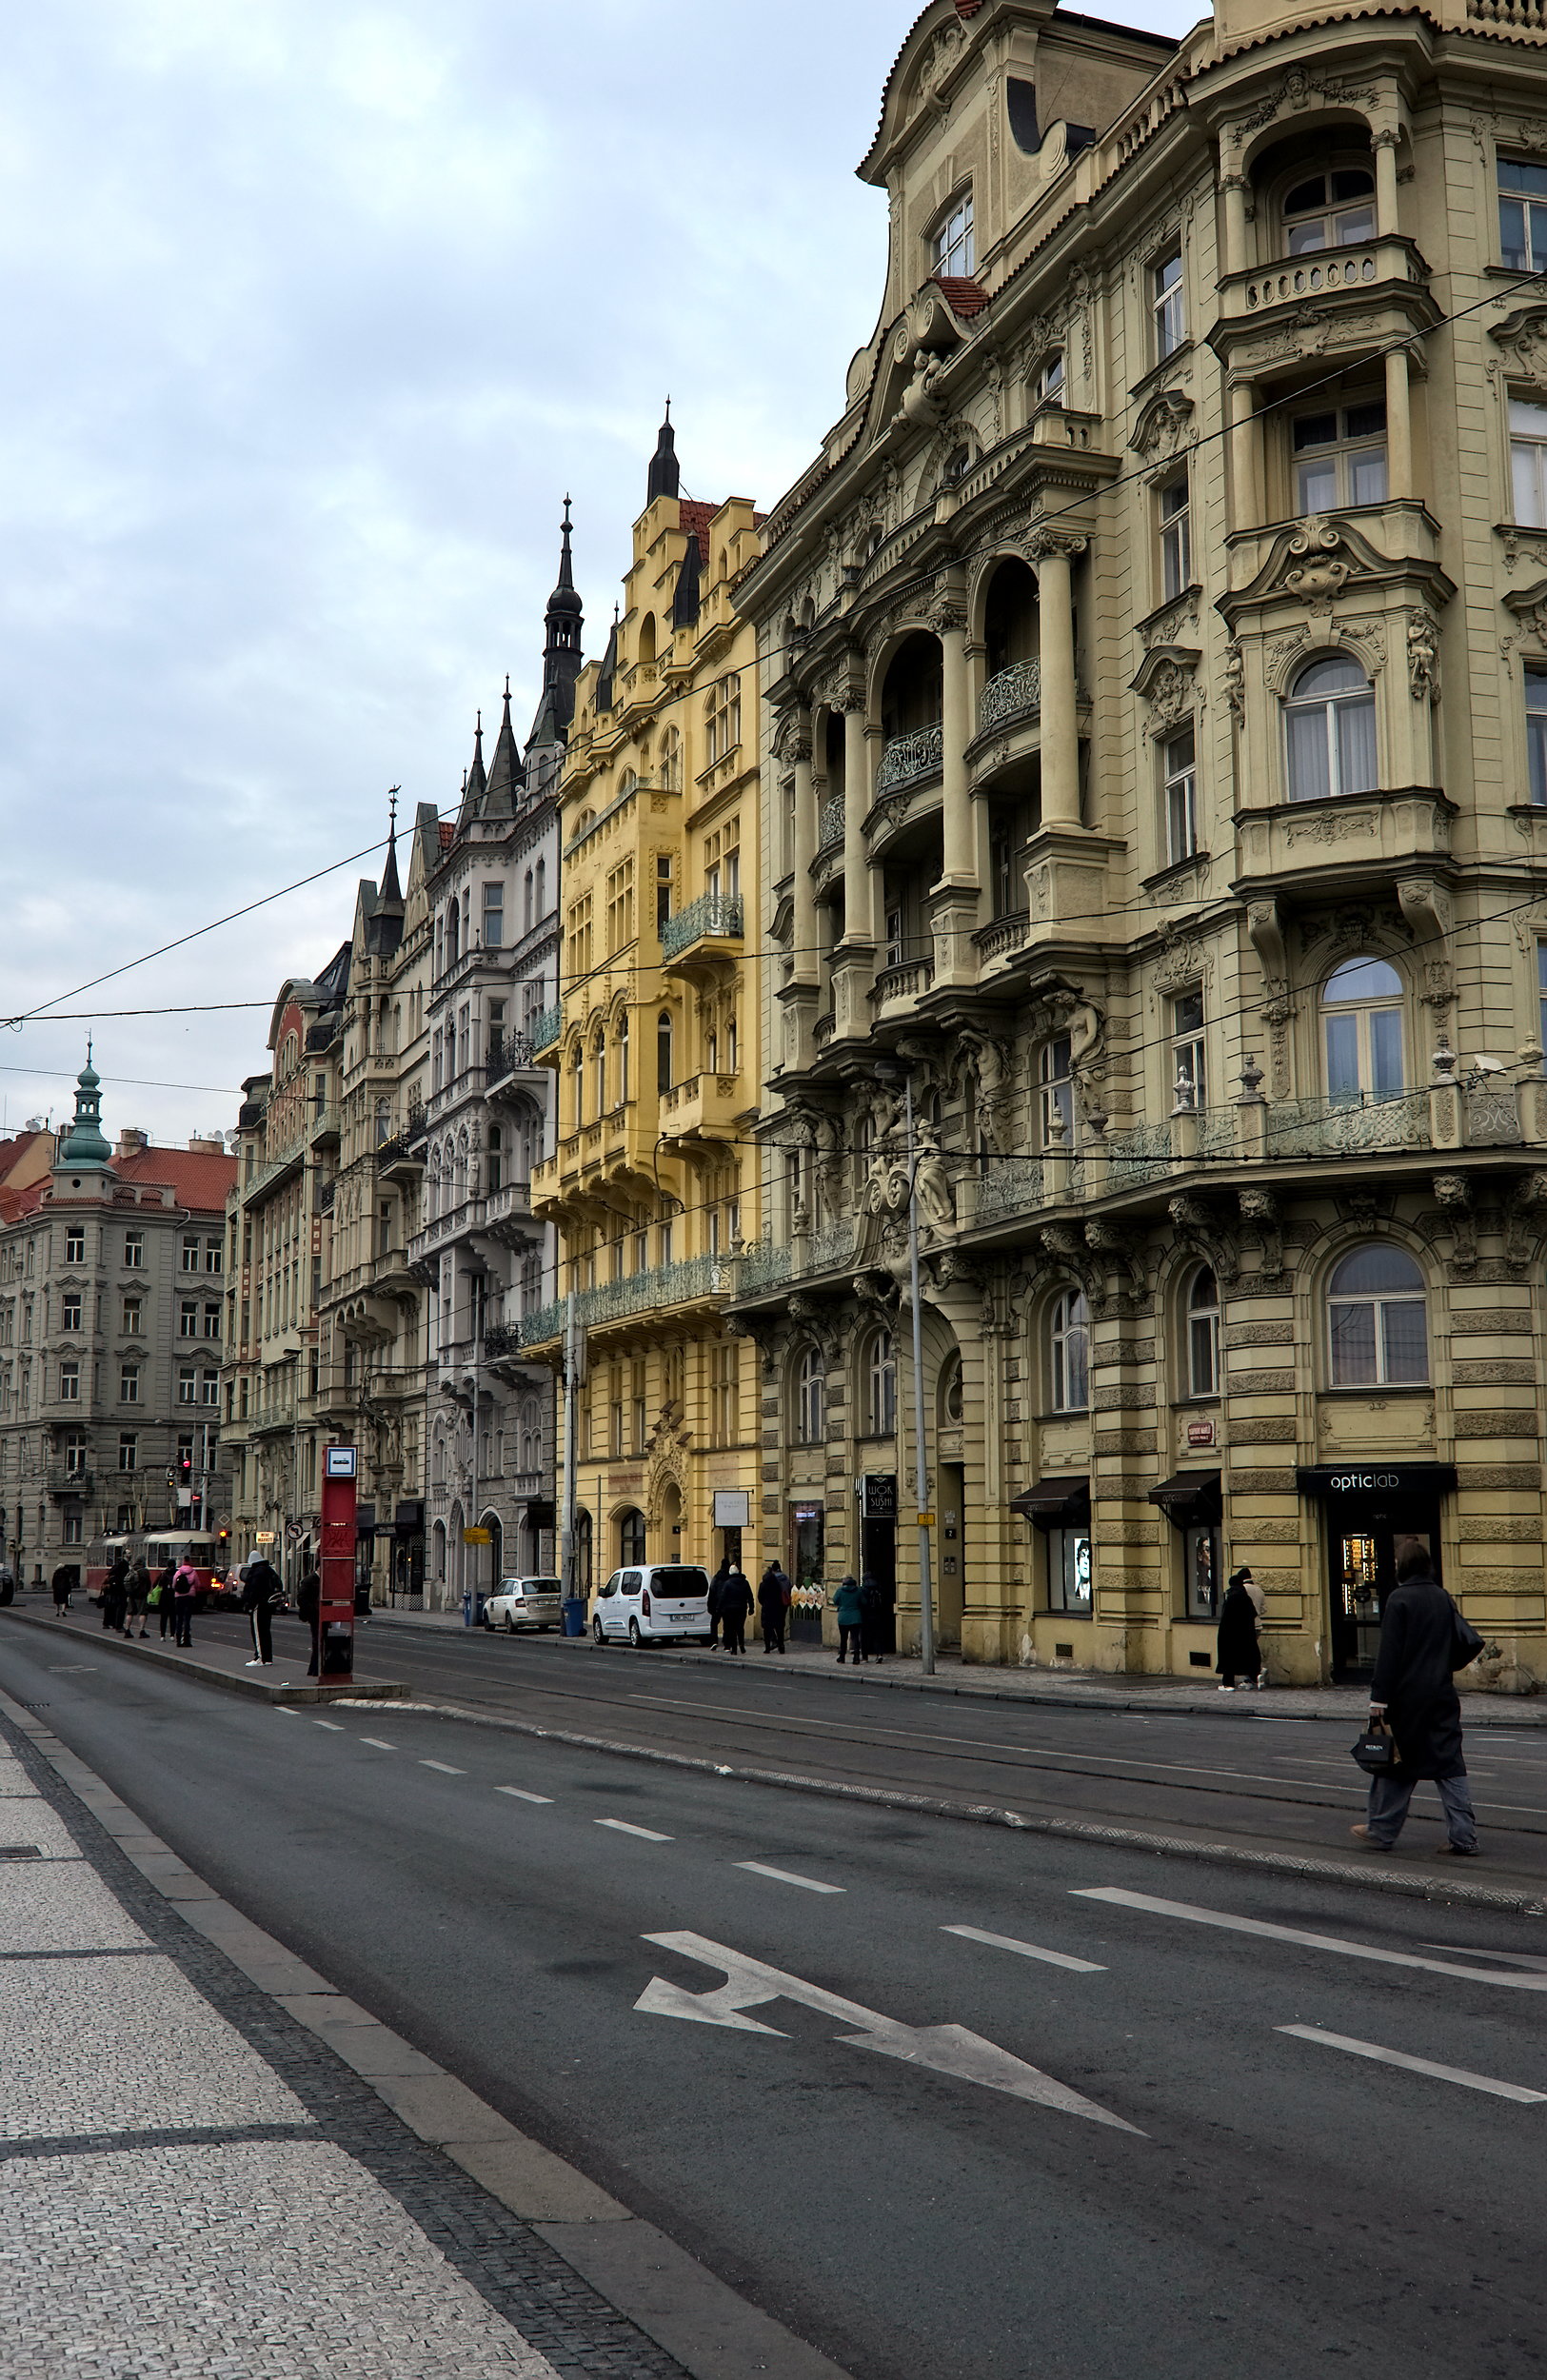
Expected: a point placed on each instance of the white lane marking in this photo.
(443, 1767)
(1292, 1934)
(73, 1668)
(1505, 1958)
(621, 1826)
(784, 1875)
(1416, 2065)
(332, 1726)
(516, 1793)
(945, 2049)
(286, 1711)
(376, 1744)
(1026, 1949)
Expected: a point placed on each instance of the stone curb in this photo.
(1476, 1706)
(713, 2333)
(379, 1690)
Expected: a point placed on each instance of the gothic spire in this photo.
(666, 478)
(563, 624)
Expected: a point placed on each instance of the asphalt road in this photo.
(1248, 1778)
(1218, 2197)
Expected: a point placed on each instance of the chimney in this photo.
(132, 1142)
(200, 1147)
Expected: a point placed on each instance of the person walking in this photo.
(849, 1605)
(1414, 1690)
(774, 1591)
(308, 1602)
(1238, 1652)
(64, 1578)
(716, 1589)
(138, 1596)
(734, 1603)
(263, 1592)
(115, 1594)
(185, 1590)
(166, 1608)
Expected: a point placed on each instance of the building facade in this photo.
(654, 1182)
(1154, 665)
(111, 1295)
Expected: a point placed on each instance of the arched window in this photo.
(1362, 1013)
(542, 888)
(623, 1059)
(1330, 210)
(1069, 1352)
(1329, 727)
(630, 1537)
(663, 1053)
(881, 1386)
(950, 1393)
(811, 1399)
(1375, 1319)
(671, 761)
(1203, 1333)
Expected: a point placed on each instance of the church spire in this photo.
(563, 624)
(666, 478)
(391, 889)
(85, 1145)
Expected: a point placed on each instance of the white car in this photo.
(658, 1603)
(523, 1603)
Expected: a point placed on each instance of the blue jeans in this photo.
(1390, 1795)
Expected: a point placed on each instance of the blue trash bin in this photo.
(574, 1615)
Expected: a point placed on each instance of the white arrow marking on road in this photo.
(1416, 2065)
(1308, 1941)
(944, 2049)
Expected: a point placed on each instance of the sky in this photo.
(315, 312)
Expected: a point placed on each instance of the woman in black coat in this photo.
(1239, 1653)
(1414, 1688)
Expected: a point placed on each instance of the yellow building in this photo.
(653, 1185)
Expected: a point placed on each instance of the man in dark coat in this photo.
(115, 1593)
(1239, 1653)
(1413, 1688)
(773, 1602)
(730, 1600)
(262, 1593)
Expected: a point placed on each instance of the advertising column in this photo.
(335, 1616)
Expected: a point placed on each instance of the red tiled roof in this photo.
(962, 296)
(968, 9)
(448, 833)
(15, 1204)
(695, 519)
(194, 1179)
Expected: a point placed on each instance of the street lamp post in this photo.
(888, 1070)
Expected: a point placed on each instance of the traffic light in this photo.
(185, 1469)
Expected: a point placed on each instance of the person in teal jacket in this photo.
(849, 1605)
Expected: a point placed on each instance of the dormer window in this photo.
(1334, 209)
(952, 254)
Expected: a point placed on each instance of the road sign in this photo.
(478, 1536)
(340, 1462)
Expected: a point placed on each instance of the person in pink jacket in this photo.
(185, 1589)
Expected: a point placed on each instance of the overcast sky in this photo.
(313, 312)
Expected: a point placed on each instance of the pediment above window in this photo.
(1164, 425)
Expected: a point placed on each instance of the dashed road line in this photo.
(782, 1876)
(518, 1793)
(1155, 1906)
(621, 1826)
(445, 1767)
(377, 1744)
(1416, 2065)
(332, 1726)
(1026, 1949)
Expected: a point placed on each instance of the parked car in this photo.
(658, 1603)
(523, 1603)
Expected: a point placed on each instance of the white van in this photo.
(654, 1604)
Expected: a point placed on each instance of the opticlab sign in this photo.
(1345, 1483)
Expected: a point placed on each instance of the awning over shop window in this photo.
(1055, 1504)
(1191, 1499)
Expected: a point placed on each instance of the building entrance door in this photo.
(951, 1585)
(1365, 1545)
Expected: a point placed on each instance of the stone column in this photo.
(859, 904)
(949, 621)
(1398, 424)
(1384, 143)
(1235, 222)
(1053, 553)
(1243, 453)
(804, 941)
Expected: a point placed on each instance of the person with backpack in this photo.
(774, 1591)
(139, 1595)
(263, 1592)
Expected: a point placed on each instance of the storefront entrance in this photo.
(1373, 1518)
(878, 1560)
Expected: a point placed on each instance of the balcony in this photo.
(324, 1126)
(507, 1054)
(1010, 694)
(1277, 316)
(1348, 1128)
(544, 1029)
(714, 917)
(327, 1192)
(1004, 938)
(831, 825)
(691, 1283)
(910, 760)
(507, 1214)
(898, 987)
(62, 1481)
(1343, 843)
(701, 1107)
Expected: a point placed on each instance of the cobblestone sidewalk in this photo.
(195, 2187)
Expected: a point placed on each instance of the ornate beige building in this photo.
(1156, 767)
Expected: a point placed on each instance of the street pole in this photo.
(571, 1469)
(469, 1551)
(926, 1595)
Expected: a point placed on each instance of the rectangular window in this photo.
(1528, 463)
(1169, 307)
(952, 250)
(135, 1250)
(620, 906)
(1180, 764)
(128, 1385)
(70, 1383)
(1189, 1083)
(493, 916)
(1536, 733)
(662, 889)
(724, 1386)
(212, 1321)
(70, 1310)
(1523, 214)
(187, 1319)
(128, 1450)
(191, 1252)
(77, 1456)
(1341, 457)
(209, 1388)
(76, 1244)
(1058, 1092)
(188, 1385)
(1069, 1571)
(1541, 1000)
(74, 1528)
(133, 1308)
(1176, 539)
(215, 1255)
